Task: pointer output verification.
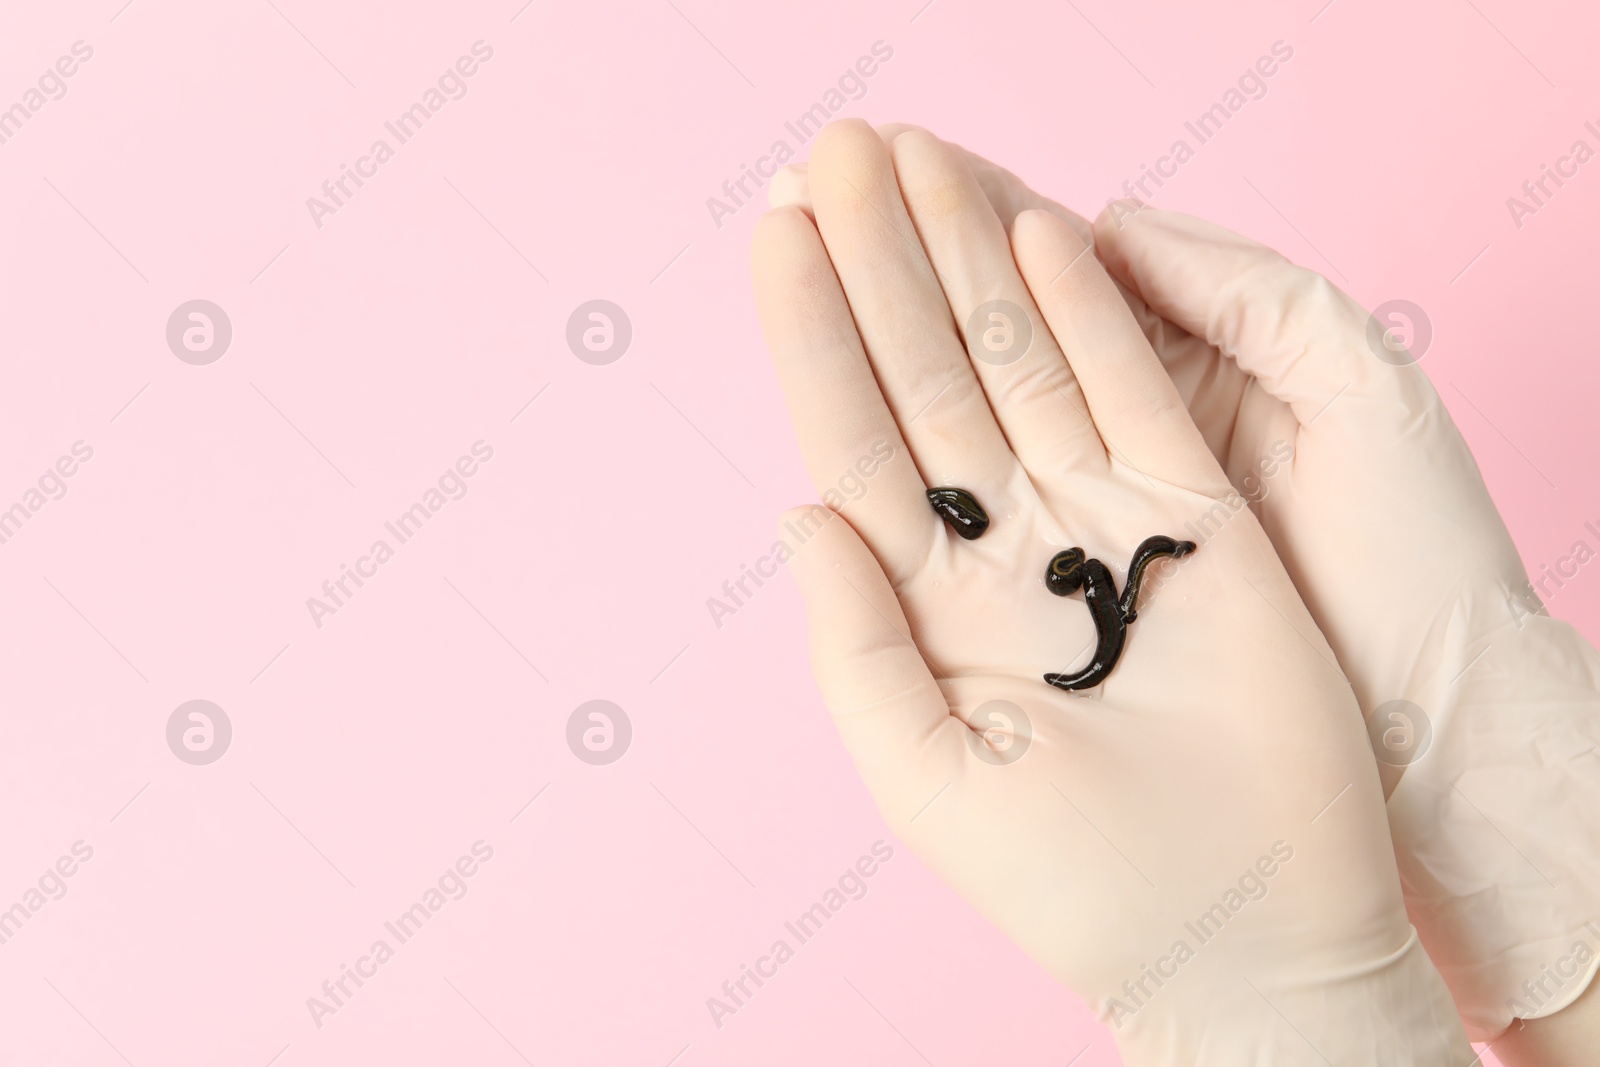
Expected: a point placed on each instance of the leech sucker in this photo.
(961, 510)
(1071, 570)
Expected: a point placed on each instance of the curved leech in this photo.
(1149, 550)
(1071, 570)
(1100, 594)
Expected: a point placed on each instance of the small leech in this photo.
(1071, 570)
(961, 510)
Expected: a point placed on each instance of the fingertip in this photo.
(780, 217)
(935, 180)
(891, 131)
(849, 164)
(790, 187)
(775, 228)
(789, 230)
(1030, 224)
(1039, 236)
(844, 137)
(914, 138)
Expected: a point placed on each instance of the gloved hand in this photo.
(1197, 845)
(1485, 711)
(1489, 764)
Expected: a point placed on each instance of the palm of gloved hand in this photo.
(1329, 432)
(1090, 826)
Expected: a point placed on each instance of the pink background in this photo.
(370, 753)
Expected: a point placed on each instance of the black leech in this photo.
(1070, 570)
(961, 510)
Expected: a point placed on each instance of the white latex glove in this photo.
(1222, 770)
(1390, 535)
(1419, 589)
